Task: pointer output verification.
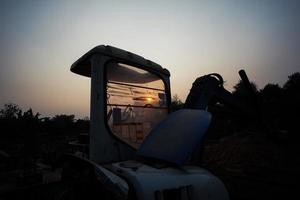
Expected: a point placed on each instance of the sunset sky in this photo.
(41, 39)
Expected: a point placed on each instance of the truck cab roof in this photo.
(83, 66)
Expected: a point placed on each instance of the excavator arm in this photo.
(187, 127)
(208, 90)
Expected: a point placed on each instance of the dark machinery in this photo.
(137, 148)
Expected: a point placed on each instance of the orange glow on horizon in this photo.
(149, 99)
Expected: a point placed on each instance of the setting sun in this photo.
(149, 99)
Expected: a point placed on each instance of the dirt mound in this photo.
(252, 166)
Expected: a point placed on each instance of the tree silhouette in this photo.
(272, 106)
(293, 83)
(272, 91)
(291, 104)
(69, 119)
(10, 111)
(176, 103)
(241, 91)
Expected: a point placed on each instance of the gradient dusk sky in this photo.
(41, 39)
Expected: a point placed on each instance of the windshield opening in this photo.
(136, 102)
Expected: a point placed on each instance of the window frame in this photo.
(105, 80)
